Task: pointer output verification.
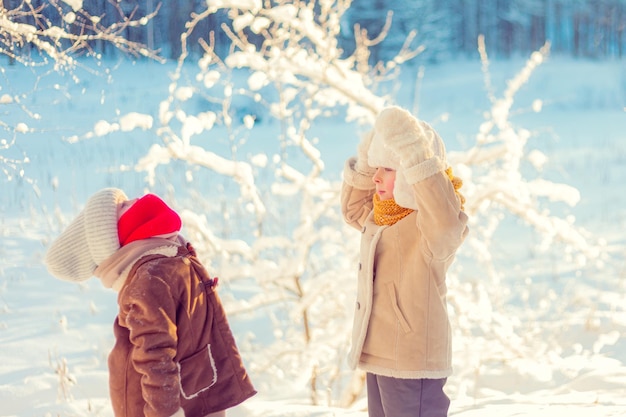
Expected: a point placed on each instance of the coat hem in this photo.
(403, 374)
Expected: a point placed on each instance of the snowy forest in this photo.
(241, 112)
(446, 28)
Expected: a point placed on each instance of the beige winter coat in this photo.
(401, 327)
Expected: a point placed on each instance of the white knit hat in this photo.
(378, 155)
(89, 240)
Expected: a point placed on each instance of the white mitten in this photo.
(361, 165)
(407, 137)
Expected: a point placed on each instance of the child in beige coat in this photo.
(401, 195)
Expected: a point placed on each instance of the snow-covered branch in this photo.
(26, 26)
(241, 172)
(56, 32)
(299, 51)
(492, 170)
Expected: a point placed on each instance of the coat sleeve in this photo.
(439, 217)
(356, 195)
(151, 319)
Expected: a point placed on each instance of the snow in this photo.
(544, 335)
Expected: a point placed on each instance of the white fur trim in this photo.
(191, 395)
(179, 413)
(361, 319)
(424, 170)
(403, 188)
(400, 374)
(169, 251)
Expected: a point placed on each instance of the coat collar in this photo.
(114, 271)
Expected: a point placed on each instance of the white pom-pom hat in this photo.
(379, 155)
(89, 240)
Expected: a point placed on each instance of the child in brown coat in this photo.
(174, 353)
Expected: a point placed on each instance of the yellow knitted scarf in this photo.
(387, 212)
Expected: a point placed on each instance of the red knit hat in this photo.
(148, 217)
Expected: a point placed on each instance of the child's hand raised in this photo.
(410, 139)
(362, 166)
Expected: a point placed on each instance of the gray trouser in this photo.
(395, 397)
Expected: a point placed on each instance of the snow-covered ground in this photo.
(569, 359)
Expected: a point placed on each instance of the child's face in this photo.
(384, 178)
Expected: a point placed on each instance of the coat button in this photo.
(358, 305)
(360, 266)
(363, 230)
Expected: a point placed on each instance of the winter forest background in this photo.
(241, 114)
(447, 28)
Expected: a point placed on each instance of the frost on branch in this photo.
(493, 172)
(59, 30)
(299, 54)
(54, 33)
(503, 312)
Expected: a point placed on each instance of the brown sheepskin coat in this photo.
(174, 348)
